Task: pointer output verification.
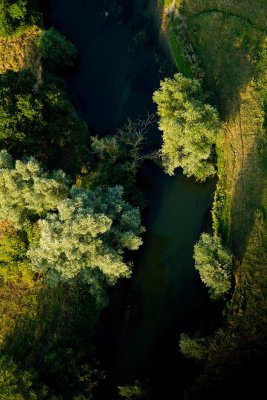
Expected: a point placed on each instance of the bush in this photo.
(55, 49)
(214, 264)
(196, 348)
(132, 392)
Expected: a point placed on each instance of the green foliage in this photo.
(196, 348)
(132, 392)
(15, 14)
(14, 263)
(27, 191)
(115, 160)
(79, 231)
(214, 264)
(55, 49)
(12, 248)
(190, 127)
(42, 123)
(17, 384)
(87, 236)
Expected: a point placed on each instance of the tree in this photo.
(214, 264)
(15, 14)
(196, 348)
(115, 160)
(190, 127)
(27, 191)
(55, 49)
(42, 123)
(87, 237)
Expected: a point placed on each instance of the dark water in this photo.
(139, 332)
(111, 82)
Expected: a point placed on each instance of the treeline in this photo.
(69, 210)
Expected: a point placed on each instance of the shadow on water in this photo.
(164, 296)
(116, 73)
(115, 77)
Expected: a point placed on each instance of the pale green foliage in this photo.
(26, 190)
(70, 232)
(87, 236)
(190, 127)
(106, 146)
(214, 264)
(196, 348)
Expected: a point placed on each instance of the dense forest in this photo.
(72, 202)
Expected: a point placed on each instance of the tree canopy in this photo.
(81, 232)
(56, 49)
(27, 191)
(42, 123)
(190, 127)
(87, 236)
(214, 264)
(15, 14)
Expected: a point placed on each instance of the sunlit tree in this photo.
(27, 191)
(87, 236)
(190, 127)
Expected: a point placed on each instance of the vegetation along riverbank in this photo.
(228, 40)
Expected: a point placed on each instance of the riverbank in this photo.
(229, 41)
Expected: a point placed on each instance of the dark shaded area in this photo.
(138, 334)
(118, 65)
(53, 338)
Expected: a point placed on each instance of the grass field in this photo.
(232, 58)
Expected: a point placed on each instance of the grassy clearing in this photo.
(232, 70)
(20, 51)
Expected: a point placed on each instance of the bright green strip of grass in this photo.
(181, 62)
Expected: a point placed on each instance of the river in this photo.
(113, 79)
